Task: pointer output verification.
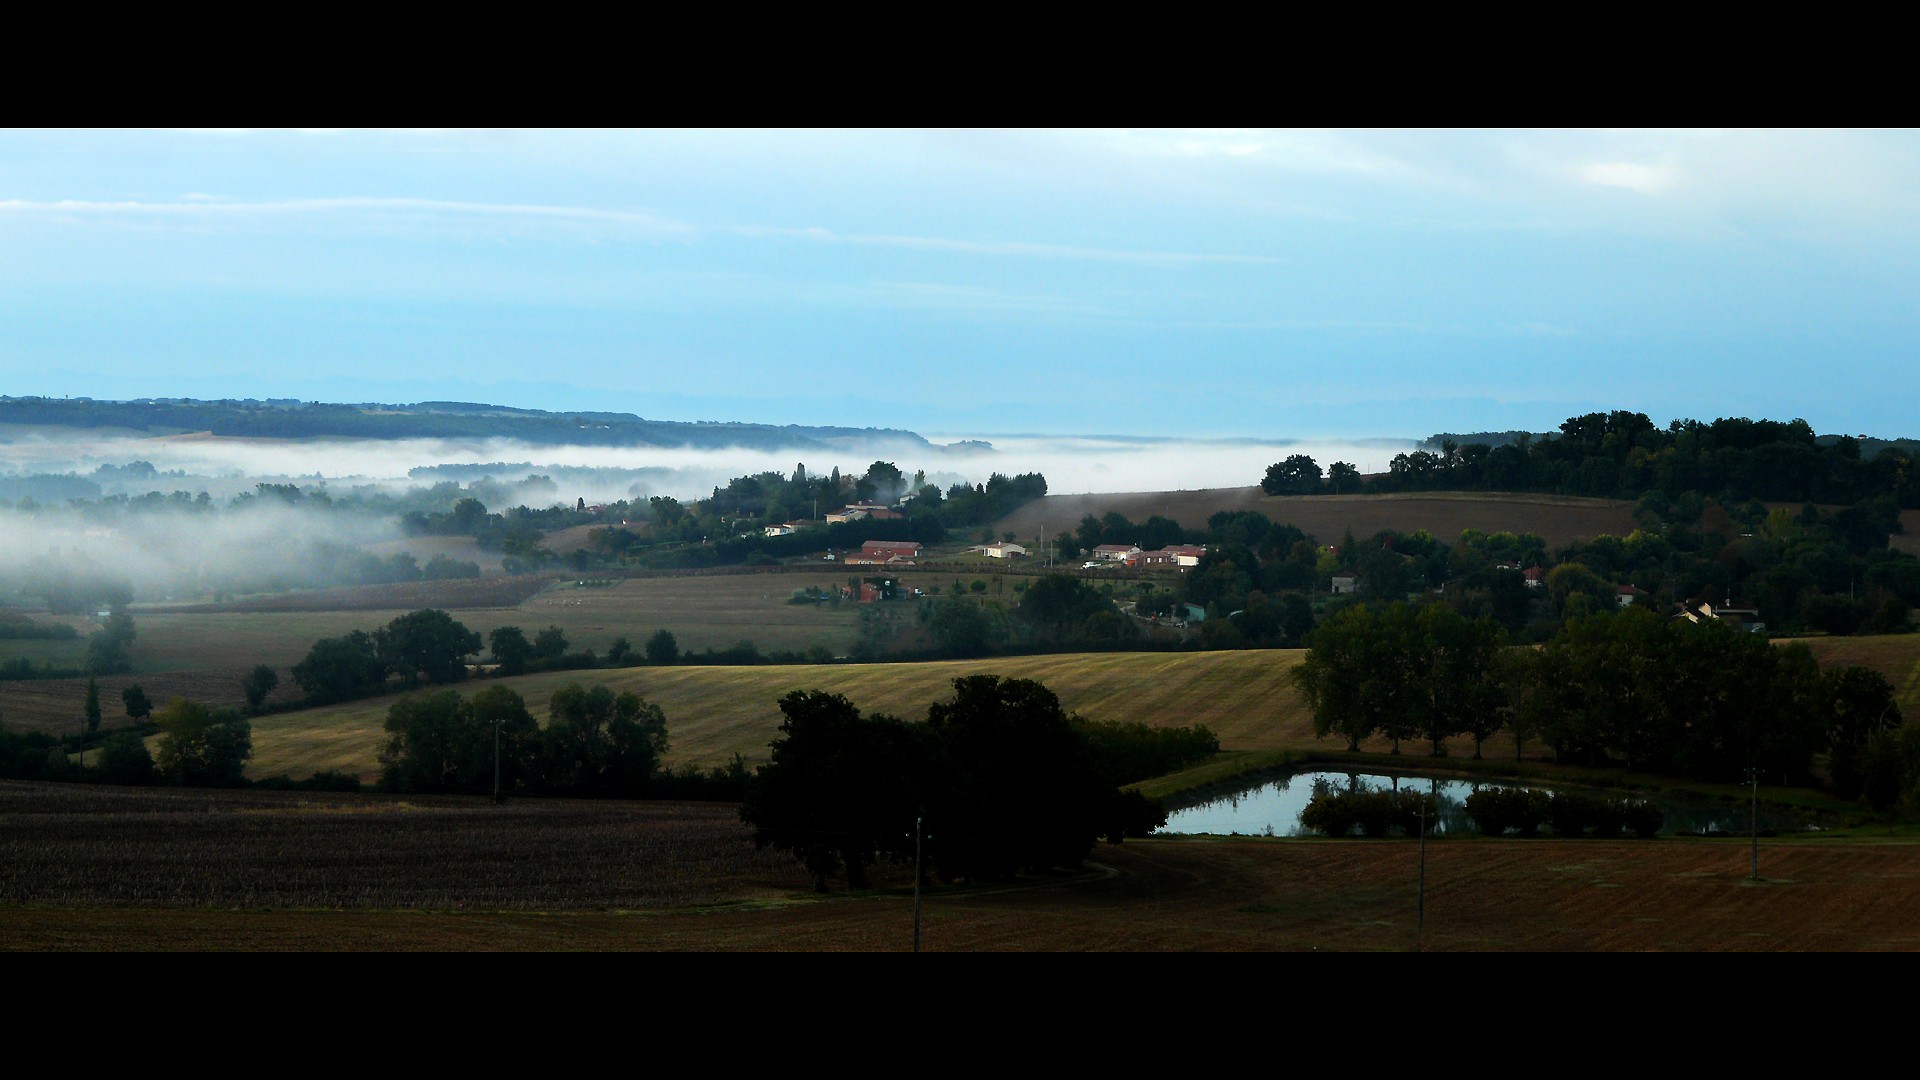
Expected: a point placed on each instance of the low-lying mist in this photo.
(170, 547)
(1072, 464)
(78, 558)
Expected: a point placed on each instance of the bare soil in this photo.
(253, 870)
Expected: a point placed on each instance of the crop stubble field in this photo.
(715, 712)
(712, 713)
(104, 868)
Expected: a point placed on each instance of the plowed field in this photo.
(204, 870)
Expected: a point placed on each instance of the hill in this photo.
(716, 712)
(713, 713)
(288, 419)
(1558, 519)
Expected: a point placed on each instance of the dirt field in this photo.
(240, 872)
(1558, 519)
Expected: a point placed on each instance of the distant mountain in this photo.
(286, 419)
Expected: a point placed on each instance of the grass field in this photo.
(1558, 519)
(126, 869)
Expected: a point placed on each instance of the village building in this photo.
(1745, 618)
(1346, 581)
(1630, 595)
(1115, 552)
(1186, 554)
(1000, 551)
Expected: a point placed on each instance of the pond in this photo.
(1272, 807)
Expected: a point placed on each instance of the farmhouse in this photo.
(1745, 618)
(1000, 551)
(1186, 554)
(1149, 558)
(1630, 595)
(1346, 581)
(1115, 552)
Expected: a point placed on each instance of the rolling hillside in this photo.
(1559, 519)
(715, 712)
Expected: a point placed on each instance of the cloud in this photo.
(1632, 175)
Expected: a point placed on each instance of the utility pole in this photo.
(1420, 923)
(918, 870)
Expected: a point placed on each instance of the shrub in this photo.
(1495, 810)
(1644, 818)
(1377, 811)
(1413, 811)
(1609, 817)
(1329, 812)
(1488, 808)
(1570, 813)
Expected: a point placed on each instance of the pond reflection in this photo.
(1273, 807)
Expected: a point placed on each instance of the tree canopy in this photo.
(1004, 780)
(199, 748)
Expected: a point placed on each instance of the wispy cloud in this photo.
(1632, 175)
(1004, 248)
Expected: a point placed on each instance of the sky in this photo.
(1226, 284)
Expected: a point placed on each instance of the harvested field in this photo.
(97, 870)
(567, 541)
(456, 594)
(715, 712)
(1908, 539)
(1896, 656)
(1559, 519)
(56, 706)
(703, 611)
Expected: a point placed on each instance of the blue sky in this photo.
(1230, 283)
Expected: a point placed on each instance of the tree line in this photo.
(1624, 455)
(1616, 688)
